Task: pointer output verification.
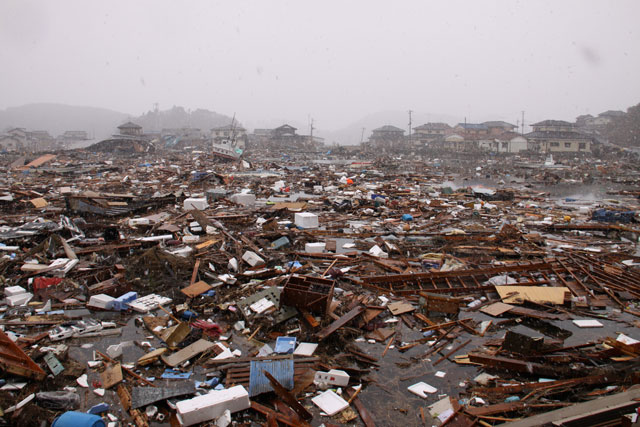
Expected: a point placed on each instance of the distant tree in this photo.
(625, 130)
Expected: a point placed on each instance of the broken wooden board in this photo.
(111, 376)
(53, 363)
(196, 289)
(524, 367)
(441, 303)
(143, 396)
(39, 202)
(175, 334)
(380, 334)
(151, 357)
(594, 412)
(292, 206)
(398, 308)
(187, 353)
(496, 309)
(15, 361)
(538, 294)
(355, 312)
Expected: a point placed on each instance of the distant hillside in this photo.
(100, 123)
(58, 118)
(178, 117)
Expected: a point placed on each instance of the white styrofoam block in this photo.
(330, 403)
(315, 248)
(306, 220)
(588, 323)
(378, 252)
(20, 299)
(212, 405)
(421, 389)
(199, 203)
(252, 258)
(14, 290)
(138, 221)
(65, 266)
(190, 239)
(305, 349)
(101, 301)
(149, 302)
(262, 305)
(244, 199)
(333, 377)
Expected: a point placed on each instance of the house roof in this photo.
(433, 126)
(556, 135)
(508, 135)
(454, 137)
(3, 137)
(286, 126)
(129, 125)
(475, 126)
(499, 124)
(552, 123)
(612, 113)
(388, 128)
(230, 127)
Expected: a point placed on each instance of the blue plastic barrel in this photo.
(78, 419)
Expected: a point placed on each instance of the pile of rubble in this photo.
(175, 289)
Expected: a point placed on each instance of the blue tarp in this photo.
(606, 215)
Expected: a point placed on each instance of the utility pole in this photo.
(410, 127)
(522, 133)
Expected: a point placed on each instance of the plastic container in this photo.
(78, 419)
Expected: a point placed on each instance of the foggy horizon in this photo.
(336, 63)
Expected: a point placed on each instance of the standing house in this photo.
(130, 129)
(472, 131)
(285, 138)
(430, 134)
(386, 138)
(497, 129)
(558, 136)
(508, 142)
(455, 142)
(10, 143)
(284, 132)
(71, 137)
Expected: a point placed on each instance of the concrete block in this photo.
(315, 248)
(252, 258)
(212, 405)
(195, 203)
(244, 199)
(306, 220)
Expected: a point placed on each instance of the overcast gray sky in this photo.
(334, 60)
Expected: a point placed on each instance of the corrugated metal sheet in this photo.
(282, 370)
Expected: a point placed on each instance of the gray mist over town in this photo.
(279, 213)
